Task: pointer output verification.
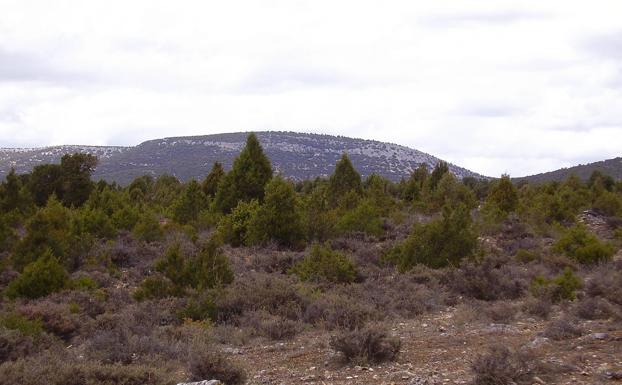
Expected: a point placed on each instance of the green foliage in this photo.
(190, 203)
(27, 327)
(437, 174)
(442, 242)
(208, 269)
(609, 203)
(345, 179)
(148, 228)
(317, 217)
(503, 195)
(584, 247)
(83, 283)
(562, 287)
(364, 218)
(233, 228)
(75, 184)
(325, 264)
(211, 181)
(449, 192)
(49, 228)
(13, 194)
(40, 278)
(247, 179)
(278, 217)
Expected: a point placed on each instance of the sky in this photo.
(517, 87)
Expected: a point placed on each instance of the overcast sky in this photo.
(495, 86)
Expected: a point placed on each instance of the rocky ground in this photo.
(439, 349)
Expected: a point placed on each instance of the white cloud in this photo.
(510, 86)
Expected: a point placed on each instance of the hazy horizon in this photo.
(512, 87)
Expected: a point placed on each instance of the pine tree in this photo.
(211, 181)
(504, 195)
(440, 169)
(278, 217)
(247, 179)
(344, 180)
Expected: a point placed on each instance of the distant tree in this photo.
(76, 184)
(12, 193)
(44, 181)
(412, 188)
(211, 181)
(188, 206)
(440, 169)
(278, 218)
(247, 179)
(344, 180)
(504, 195)
(599, 180)
(70, 181)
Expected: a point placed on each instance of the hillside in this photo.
(612, 167)
(295, 155)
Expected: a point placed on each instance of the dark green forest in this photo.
(123, 271)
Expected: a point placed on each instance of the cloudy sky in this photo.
(494, 86)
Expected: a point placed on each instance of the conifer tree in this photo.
(210, 183)
(247, 179)
(504, 195)
(440, 169)
(278, 217)
(345, 179)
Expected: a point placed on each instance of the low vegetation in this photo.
(154, 282)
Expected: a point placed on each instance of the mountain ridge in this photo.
(295, 155)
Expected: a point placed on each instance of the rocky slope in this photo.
(612, 167)
(295, 155)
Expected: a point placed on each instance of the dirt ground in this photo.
(439, 348)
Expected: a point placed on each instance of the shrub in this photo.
(271, 326)
(154, 287)
(606, 282)
(584, 247)
(345, 180)
(40, 278)
(440, 243)
(562, 329)
(560, 288)
(25, 326)
(503, 195)
(57, 369)
(14, 345)
(364, 218)
(488, 280)
(539, 307)
(366, 346)
(594, 308)
(325, 264)
(53, 317)
(259, 291)
(501, 366)
(339, 311)
(233, 228)
(278, 218)
(208, 364)
(148, 228)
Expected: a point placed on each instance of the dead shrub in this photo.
(562, 329)
(259, 291)
(14, 345)
(366, 346)
(502, 366)
(207, 364)
(57, 369)
(271, 326)
(606, 282)
(489, 280)
(338, 311)
(593, 308)
(500, 312)
(57, 319)
(539, 307)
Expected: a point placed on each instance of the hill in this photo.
(294, 155)
(612, 167)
